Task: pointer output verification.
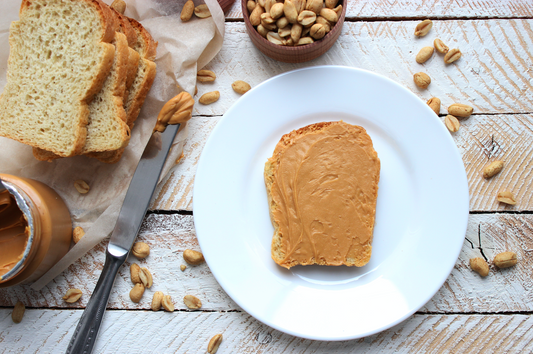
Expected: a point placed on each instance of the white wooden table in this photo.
(468, 314)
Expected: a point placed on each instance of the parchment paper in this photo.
(183, 49)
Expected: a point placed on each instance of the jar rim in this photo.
(23, 201)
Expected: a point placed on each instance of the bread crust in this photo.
(271, 168)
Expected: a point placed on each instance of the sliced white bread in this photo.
(59, 59)
(146, 47)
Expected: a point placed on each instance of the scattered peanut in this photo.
(210, 97)
(214, 343)
(146, 278)
(81, 186)
(77, 234)
(18, 312)
(424, 55)
(187, 11)
(119, 6)
(422, 80)
(460, 110)
(192, 302)
(141, 250)
(206, 76)
(134, 273)
(193, 257)
(452, 56)
(440, 46)
(183, 267)
(423, 28)
(137, 292)
(157, 300)
(480, 266)
(202, 11)
(434, 104)
(452, 123)
(506, 197)
(72, 295)
(505, 259)
(167, 303)
(492, 169)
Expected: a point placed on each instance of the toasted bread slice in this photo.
(322, 184)
(60, 56)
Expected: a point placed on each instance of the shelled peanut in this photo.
(293, 22)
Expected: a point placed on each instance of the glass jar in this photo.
(35, 229)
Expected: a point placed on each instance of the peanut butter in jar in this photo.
(35, 229)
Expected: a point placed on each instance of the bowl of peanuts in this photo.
(293, 31)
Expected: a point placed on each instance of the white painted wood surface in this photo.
(469, 314)
(134, 332)
(506, 290)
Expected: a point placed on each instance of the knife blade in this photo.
(136, 202)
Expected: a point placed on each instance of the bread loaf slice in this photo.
(146, 47)
(322, 185)
(60, 56)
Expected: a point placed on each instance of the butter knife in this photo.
(129, 221)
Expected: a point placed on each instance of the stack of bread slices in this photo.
(78, 74)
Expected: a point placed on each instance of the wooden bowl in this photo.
(296, 54)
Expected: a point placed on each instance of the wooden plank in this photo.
(481, 139)
(182, 332)
(509, 290)
(433, 9)
(494, 74)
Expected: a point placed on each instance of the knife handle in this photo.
(85, 335)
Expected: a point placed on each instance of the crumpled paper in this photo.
(183, 49)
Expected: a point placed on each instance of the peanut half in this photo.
(134, 273)
(214, 343)
(187, 11)
(452, 56)
(206, 76)
(119, 6)
(424, 55)
(505, 259)
(18, 312)
(422, 80)
(167, 303)
(460, 110)
(72, 295)
(183, 267)
(157, 300)
(423, 28)
(440, 46)
(480, 266)
(492, 169)
(202, 11)
(81, 186)
(506, 197)
(210, 97)
(192, 302)
(146, 278)
(137, 292)
(434, 104)
(77, 234)
(141, 250)
(452, 123)
(193, 257)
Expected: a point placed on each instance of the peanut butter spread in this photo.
(322, 183)
(14, 233)
(177, 110)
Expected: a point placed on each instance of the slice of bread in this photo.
(60, 56)
(146, 47)
(322, 184)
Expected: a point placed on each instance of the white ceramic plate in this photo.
(421, 214)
